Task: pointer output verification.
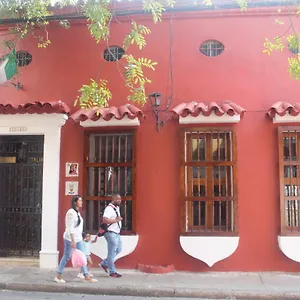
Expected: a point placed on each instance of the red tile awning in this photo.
(281, 108)
(129, 110)
(37, 107)
(194, 109)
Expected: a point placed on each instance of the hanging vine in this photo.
(31, 15)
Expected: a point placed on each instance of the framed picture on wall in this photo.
(71, 188)
(72, 169)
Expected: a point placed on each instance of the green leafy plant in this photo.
(136, 35)
(243, 4)
(294, 42)
(275, 45)
(99, 15)
(94, 95)
(294, 67)
(207, 2)
(31, 15)
(135, 78)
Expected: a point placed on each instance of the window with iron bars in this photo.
(209, 195)
(289, 162)
(211, 48)
(113, 53)
(110, 169)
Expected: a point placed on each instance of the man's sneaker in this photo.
(115, 275)
(59, 280)
(104, 268)
(80, 275)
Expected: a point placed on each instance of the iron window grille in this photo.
(110, 169)
(211, 48)
(113, 53)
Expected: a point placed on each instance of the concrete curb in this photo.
(151, 292)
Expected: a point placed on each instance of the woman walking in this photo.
(73, 239)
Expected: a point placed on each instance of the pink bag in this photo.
(78, 259)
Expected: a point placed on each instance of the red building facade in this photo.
(215, 189)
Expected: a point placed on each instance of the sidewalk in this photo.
(234, 285)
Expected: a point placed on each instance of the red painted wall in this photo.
(241, 74)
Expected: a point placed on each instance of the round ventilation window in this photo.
(24, 58)
(211, 48)
(113, 53)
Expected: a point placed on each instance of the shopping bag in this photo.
(78, 259)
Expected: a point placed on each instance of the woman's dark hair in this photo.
(73, 203)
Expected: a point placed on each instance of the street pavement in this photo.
(12, 295)
(210, 285)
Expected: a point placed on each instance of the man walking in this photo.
(112, 218)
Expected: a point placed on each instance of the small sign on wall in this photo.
(71, 188)
(72, 169)
(17, 129)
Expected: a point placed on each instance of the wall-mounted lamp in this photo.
(155, 103)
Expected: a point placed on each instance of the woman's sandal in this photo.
(90, 280)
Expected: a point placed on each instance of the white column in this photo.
(49, 252)
(48, 125)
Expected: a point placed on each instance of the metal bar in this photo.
(113, 149)
(209, 163)
(220, 215)
(100, 149)
(96, 150)
(125, 179)
(218, 146)
(297, 187)
(190, 155)
(289, 146)
(106, 149)
(125, 214)
(121, 164)
(199, 194)
(226, 180)
(199, 213)
(105, 181)
(225, 145)
(198, 146)
(119, 179)
(126, 141)
(289, 213)
(290, 179)
(219, 182)
(119, 148)
(227, 219)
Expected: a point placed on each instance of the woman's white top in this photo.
(71, 221)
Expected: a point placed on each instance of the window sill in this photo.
(290, 246)
(129, 243)
(210, 233)
(209, 249)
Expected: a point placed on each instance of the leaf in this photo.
(94, 95)
(155, 7)
(294, 67)
(136, 36)
(207, 2)
(243, 4)
(135, 78)
(294, 42)
(280, 22)
(98, 14)
(275, 45)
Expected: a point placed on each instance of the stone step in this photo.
(20, 261)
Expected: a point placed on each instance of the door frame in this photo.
(48, 125)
